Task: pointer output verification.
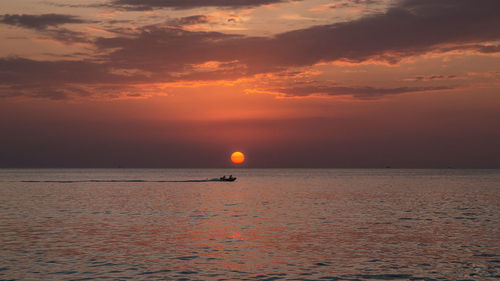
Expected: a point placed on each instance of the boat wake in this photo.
(119, 181)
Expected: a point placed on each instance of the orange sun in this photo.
(237, 157)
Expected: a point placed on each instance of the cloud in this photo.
(488, 49)
(157, 48)
(44, 91)
(67, 36)
(346, 4)
(26, 71)
(143, 5)
(420, 78)
(61, 79)
(191, 20)
(410, 28)
(169, 54)
(39, 21)
(366, 92)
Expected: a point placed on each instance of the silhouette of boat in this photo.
(230, 178)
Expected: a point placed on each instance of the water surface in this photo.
(289, 224)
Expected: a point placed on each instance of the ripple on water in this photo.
(384, 276)
(155, 272)
(186, 258)
(269, 225)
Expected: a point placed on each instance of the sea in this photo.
(270, 224)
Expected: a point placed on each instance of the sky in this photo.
(290, 83)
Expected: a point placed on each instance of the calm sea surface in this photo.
(289, 224)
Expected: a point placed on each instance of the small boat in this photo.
(230, 178)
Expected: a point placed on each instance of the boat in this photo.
(230, 178)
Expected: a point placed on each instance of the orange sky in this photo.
(310, 83)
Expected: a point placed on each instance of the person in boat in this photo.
(230, 177)
(223, 177)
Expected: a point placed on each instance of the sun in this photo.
(237, 157)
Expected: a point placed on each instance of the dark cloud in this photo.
(39, 21)
(142, 5)
(53, 94)
(352, 3)
(118, 21)
(44, 92)
(21, 71)
(420, 78)
(191, 20)
(44, 21)
(60, 80)
(67, 36)
(408, 28)
(489, 49)
(356, 92)
(485, 48)
(166, 49)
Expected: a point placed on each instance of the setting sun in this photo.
(237, 157)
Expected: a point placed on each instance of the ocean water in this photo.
(289, 224)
